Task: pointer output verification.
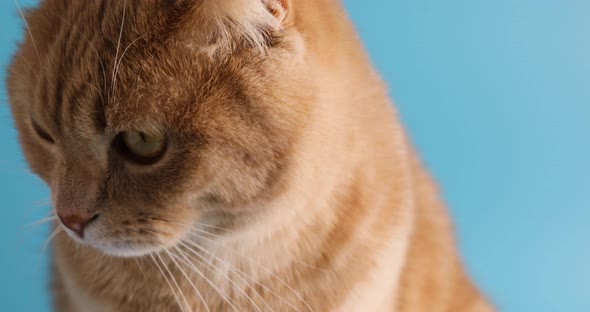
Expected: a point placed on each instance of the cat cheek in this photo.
(41, 161)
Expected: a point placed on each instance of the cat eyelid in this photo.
(42, 133)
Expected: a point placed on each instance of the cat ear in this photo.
(280, 9)
(222, 25)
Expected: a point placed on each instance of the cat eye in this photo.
(44, 135)
(142, 147)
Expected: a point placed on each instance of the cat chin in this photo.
(115, 249)
(129, 252)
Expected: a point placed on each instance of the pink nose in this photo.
(76, 223)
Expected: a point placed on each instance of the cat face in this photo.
(146, 118)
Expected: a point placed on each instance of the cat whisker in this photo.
(216, 227)
(248, 277)
(30, 33)
(226, 276)
(114, 82)
(55, 232)
(47, 242)
(91, 85)
(28, 30)
(42, 221)
(230, 231)
(183, 258)
(33, 226)
(299, 297)
(204, 225)
(103, 69)
(188, 306)
(190, 281)
(99, 262)
(23, 76)
(213, 235)
(141, 268)
(173, 278)
(241, 275)
(118, 63)
(36, 206)
(155, 261)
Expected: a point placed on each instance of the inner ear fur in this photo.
(280, 9)
(220, 26)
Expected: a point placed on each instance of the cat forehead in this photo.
(208, 26)
(180, 94)
(142, 54)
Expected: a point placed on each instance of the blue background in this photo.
(496, 96)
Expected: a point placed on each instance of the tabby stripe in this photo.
(75, 102)
(60, 74)
(44, 91)
(100, 118)
(102, 7)
(73, 51)
(57, 92)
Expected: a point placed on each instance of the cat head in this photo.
(145, 117)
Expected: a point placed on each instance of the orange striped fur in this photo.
(287, 182)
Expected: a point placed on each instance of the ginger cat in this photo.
(217, 155)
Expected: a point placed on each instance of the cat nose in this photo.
(77, 223)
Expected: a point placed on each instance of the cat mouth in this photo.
(121, 247)
(115, 244)
(126, 249)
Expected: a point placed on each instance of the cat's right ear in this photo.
(224, 25)
(281, 10)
